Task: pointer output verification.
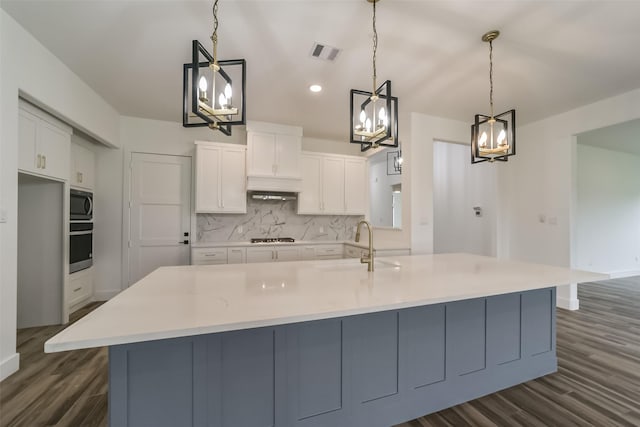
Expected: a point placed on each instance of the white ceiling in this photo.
(552, 56)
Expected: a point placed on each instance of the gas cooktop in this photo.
(273, 240)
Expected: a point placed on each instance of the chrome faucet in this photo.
(369, 258)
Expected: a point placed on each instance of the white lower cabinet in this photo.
(322, 252)
(236, 255)
(273, 254)
(80, 288)
(207, 256)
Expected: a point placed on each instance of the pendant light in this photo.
(374, 115)
(213, 90)
(394, 162)
(493, 137)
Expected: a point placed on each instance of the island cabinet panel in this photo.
(538, 323)
(424, 339)
(155, 383)
(367, 370)
(503, 329)
(316, 390)
(466, 345)
(242, 378)
(375, 356)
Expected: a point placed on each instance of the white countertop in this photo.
(191, 300)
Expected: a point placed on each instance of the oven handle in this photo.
(80, 233)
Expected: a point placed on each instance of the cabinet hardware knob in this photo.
(44, 162)
(77, 289)
(39, 162)
(184, 242)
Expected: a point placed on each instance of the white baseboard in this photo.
(568, 304)
(9, 365)
(622, 274)
(105, 295)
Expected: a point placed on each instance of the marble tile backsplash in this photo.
(274, 219)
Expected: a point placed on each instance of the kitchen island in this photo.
(322, 343)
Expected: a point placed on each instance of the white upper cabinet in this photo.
(273, 157)
(220, 178)
(355, 186)
(82, 173)
(332, 185)
(44, 143)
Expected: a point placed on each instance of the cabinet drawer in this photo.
(329, 252)
(353, 252)
(80, 287)
(204, 256)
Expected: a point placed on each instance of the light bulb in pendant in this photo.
(202, 84)
(382, 115)
(482, 142)
(363, 117)
(227, 91)
(222, 100)
(367, 125)
(501, 137)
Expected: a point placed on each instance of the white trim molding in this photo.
(9, 365)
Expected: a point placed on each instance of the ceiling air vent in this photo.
(322, 51)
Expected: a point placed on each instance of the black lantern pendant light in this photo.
(374, 115)
(493, 137)
(213, 90)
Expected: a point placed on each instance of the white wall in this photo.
(608, 211)
(425, 130)
(381, 190)
(459, 186)
(27, 68)
(540, 180)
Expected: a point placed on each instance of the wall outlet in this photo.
(240, 229)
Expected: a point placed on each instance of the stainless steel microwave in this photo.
(81, 205)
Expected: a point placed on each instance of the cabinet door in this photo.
(208, 179)
(27, 142)
(288, 149)
(82, 167)
(288, 254)
(333, 186)
(260, 254)
(307, 253)
(355, 187)
(309, 199)
(233, 181)
(261, 154)
(54, 146)
(237, 255)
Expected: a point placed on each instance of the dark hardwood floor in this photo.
(597, 383)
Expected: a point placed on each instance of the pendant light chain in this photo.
(375, 48)
(214, 35)
(491, 75)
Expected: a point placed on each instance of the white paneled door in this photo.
(159, 213)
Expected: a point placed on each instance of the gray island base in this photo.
(365, 370)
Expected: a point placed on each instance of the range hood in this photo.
(272, 195)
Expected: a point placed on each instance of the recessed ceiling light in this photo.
(315, 88)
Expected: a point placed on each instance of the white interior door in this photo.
(159, 213)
